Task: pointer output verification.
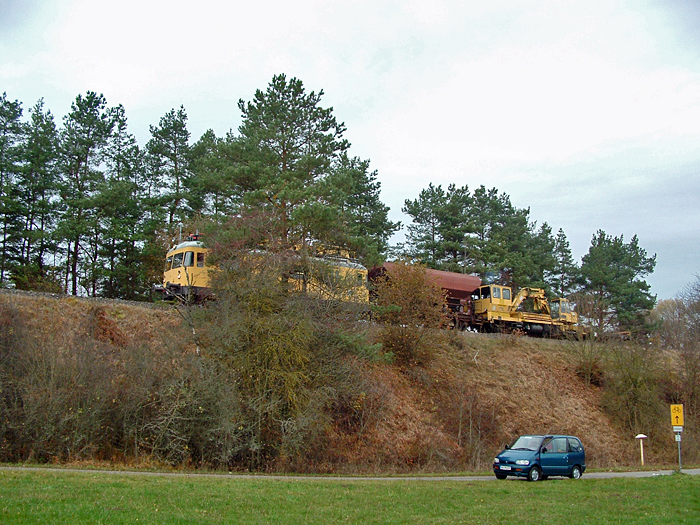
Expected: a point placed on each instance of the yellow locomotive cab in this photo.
(186, 275)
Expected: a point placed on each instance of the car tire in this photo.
(575, 472)
(535, 474)
(501, 476)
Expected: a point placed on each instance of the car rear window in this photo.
(575, 445)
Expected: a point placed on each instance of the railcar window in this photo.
(168, 263)
(506, 294)
(496, 292)
(177, 260)
(200, 259)
(189, 259)
(485, 292)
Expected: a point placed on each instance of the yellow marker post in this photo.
(677, 415)
(677, 422)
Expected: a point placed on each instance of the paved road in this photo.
(591, 475)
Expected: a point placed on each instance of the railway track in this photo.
(93, 300)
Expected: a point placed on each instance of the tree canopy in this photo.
(478, 232)
(612, 277)
(86, 210)
(290, 157)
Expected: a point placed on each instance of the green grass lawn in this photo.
(94, 498)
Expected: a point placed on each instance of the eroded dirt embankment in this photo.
(453, 412)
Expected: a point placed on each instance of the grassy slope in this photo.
(467, 403)
(453, 413)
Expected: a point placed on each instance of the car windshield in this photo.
(527, 443)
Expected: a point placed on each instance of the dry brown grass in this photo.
(61, 320)
(452, 413)
(477, 394)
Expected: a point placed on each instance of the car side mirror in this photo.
(507, 447)
(544, 450)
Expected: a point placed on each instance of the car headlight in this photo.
(524, 462)
(496, 460)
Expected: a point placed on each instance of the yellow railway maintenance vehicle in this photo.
(186, 276)
(497, 309)
(333, 277)
(328, 275)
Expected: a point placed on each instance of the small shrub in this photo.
(588, 361)
(410, 308)
(632, 395)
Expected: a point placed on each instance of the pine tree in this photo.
(169, 152)
(85, 132)
(11, 144)
(562, 279)
(362, 222)
(287, 145)
(612, 275)
(212, 189)
(290, 161)
(37, 192)
(479, 232)
(121, 210)
(424, 236)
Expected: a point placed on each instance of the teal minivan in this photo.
(538, 457)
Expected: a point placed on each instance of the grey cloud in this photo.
(684, 17)
(14, 15)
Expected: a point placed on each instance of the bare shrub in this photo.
(589, 361)
(410, 307)
(60, 409)
(632, 394)
(678, 323)
(12, 333)
(470, 418)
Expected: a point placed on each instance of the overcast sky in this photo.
(587, 112)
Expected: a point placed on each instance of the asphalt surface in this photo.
(586, 475)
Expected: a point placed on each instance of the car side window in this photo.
(575, 445)
(547, 445)
(559, 445)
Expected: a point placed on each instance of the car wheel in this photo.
(575, 472)
(534, 474)
(501, 476)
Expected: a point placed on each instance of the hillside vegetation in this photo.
(87, 211)
(85, 380)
